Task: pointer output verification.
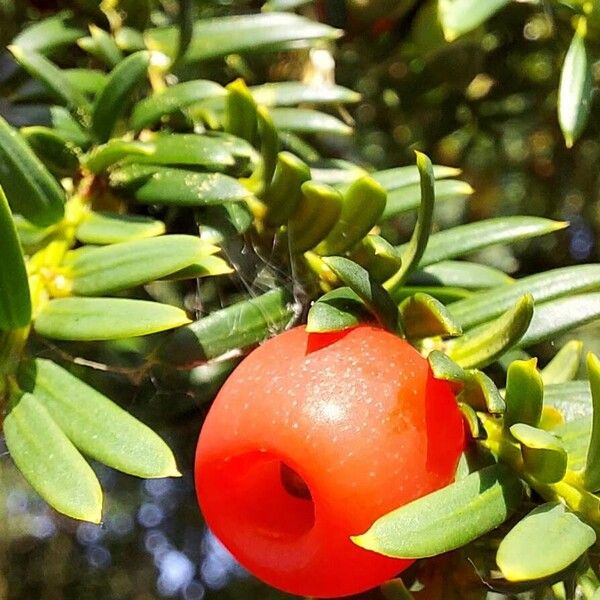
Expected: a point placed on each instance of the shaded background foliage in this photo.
(485, 103)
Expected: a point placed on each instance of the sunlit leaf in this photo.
(591, 473)
(461, 16)
(50, 34)
(88, 319)
(575, 88)
(565, 364)
(463, 274)
(291, 93)
(50, 462)
(111, 228)
(423, 316)
(524, 553)
(339, 309)
(217, 37)
(95, 424)
(305, 120)
(448, 518)
(524, 393)
(232, 328)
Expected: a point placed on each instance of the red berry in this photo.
(312, 438)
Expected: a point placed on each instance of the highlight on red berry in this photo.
(310, 440)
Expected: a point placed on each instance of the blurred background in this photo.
(485, 103)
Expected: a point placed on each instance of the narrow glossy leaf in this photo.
(112, 228)
(371, 293)
(284, 193)
(50, 462)
(222, 221)
(565, 364)
(423, 316)
(472, 421)
(463, 274)
(524, 554)
(305, 120)
(335, 171)
(109, 269)
(339, 309)
(446, 295)
(485, 305)
(116, 93)
(68, 128)
(559, 316)
(102, 45)
(465, 239)
(269, 148)
(15, 302)
(217, 37)
(377, 256)
(207, 266)
(575, 437)
(114, 151)
(443, 367)
(482, 345)
(29, 187)
(240, 111)
(233, 328)
(543, 454)
(58, 154)
(185, 149)
(575, 88)
(461, 16)
(400, 177)
(412, 252)
(363, 203)
(165, 185)
(53, 79)
(50, 34)
(408, 198)
(524, 393)
(318, 212)
(572, 399)
(95, 424)
(448, 518)
(87, 319)
(291, 93)
(591, 474)
(150, 110)
(481, 393)
(129, 39)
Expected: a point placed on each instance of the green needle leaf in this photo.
(545, 542)
(150, 110)
(443, 367)
(240, 111)
(317, 213)
(463, 274)
(376, 299)
(291, 93)
(377, 256)
(465, 239)
(57, 153)
(448, 518)
(481, 393)
(308, 121)
(400, 177)
(575, 88)
(233, 328)
(153, 184)
(413, 251)
(108, 269)
(591, 473)
(54, 80)
(564, 366)
(111, 228)
(97, 426)
(482, 345)
(50, 34)
(565, 281)
(87, 319)
(461, 16)
(15, 301)
(115, 96)
(423, 316)
(544, 455)
(363, 203)
(29, 187)
(115, 150)
(524, 393)
(50, 462)
(339, 309)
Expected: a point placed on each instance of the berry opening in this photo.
(267, 496)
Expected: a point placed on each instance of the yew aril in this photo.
(312, 438)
